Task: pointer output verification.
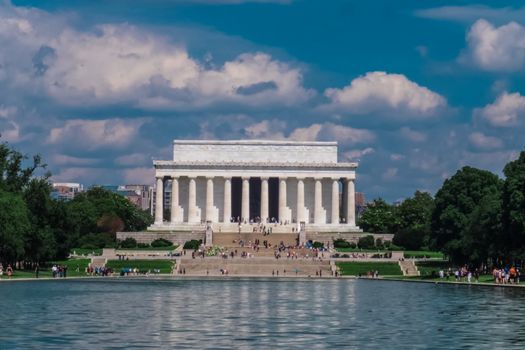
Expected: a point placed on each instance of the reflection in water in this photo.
(258, 313)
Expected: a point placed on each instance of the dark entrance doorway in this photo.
(255, 198)
(273, 198)
(236, 197)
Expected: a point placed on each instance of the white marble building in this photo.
(251, 181)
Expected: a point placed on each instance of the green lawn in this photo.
(429, 268)
(45, 271)
(165, 266)
(418, 254)
(356, 268)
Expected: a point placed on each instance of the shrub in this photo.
(161, 242)
(129, 242)
(366, 242)
(317, 245)
(97, 240)
(342, 243)
(379, 243)
(353, 245)
(143, 245)
(193, 244)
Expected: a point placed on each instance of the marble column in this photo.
(318, 204)
(282, 199)
(300, 200)
(350, 207)
(335, 201)
(175, 215)
(264, 199)
(209, 199)
(192, 201)
(245, 209)
(227, 199)
(159, 201)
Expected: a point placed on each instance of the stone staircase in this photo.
(263, 266)
(98, 261)
(408, 267)
(231, 239)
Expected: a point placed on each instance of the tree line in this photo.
(475, 217)
(36, 228)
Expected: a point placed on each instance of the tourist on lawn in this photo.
(9, 271)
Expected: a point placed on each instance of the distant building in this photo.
(136, 194)
(360, 203)
(66, 190)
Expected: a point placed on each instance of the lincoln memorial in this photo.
(227, 184)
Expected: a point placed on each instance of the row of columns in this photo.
(319, 215)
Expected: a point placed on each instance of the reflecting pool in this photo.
(258, 313)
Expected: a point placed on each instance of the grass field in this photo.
(356, 268)
(75, 268)
(165, 266)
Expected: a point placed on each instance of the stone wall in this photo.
(350, 237)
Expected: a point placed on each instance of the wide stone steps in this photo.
(408, 267)
(230, 239)
(255, 267)
(98, 262)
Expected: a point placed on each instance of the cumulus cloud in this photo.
(328, 132)
(471, 13)
(506, 111)
(496, 48)
(412, 135)
(357, 154)
(266, 129)
(483, 142)
(63, 159)
(141, 175)
(126, 64)
(96, 134)
(381, 91)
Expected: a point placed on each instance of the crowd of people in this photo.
(8, 270)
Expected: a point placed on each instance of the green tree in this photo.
(513, 209)
(414, 216)
(464, 198)
(101, 211)
(378, 217)
(14, 226)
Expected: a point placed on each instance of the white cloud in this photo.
(412, 135)
(122, 63)
(266, 129)
(470, 13)
(328, 132)
(133, 159)
(380, 91)
(96, 134)
(506, 110)
(356, 155)
(481, 141)
(139, 175)
(62, 159)
(390, 174)
(496, 48)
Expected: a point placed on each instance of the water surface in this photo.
(258, 314)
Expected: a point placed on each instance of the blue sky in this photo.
(413, 90)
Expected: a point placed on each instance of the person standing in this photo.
(37, 270)
(9, 271)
